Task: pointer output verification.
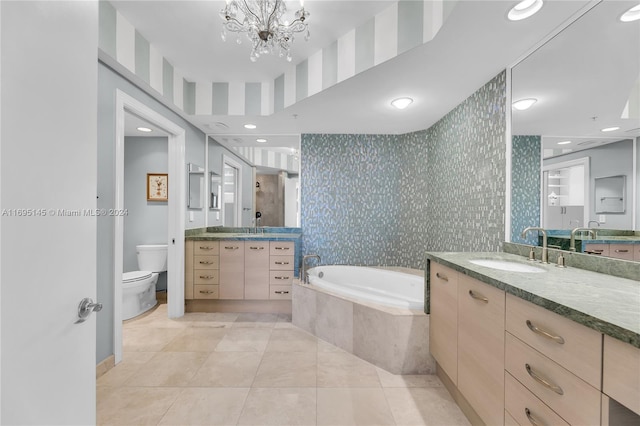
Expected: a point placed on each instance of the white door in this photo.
(232, 198)
(48, 134)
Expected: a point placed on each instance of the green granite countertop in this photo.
(237, 236)
(602, 302)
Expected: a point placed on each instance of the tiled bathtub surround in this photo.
(385, 199)
(525, 189)
(391, 338)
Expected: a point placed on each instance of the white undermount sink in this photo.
(506, 265)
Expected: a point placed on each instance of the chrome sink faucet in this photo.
(545, 250)
(572, 243)
(305, 274)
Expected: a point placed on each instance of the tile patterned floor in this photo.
(256, 369)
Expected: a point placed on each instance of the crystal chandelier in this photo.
(262, 21)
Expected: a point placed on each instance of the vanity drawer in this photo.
(509, 420)
(572, 345)
(206, 247)
(280, 292)
(621, 373)
(571, 397)
(281, 248)
(443, 314)
(602, 249)
(621, 251)
(280, 277)
(525, 408)
(206, 262)
(201, 291)
(206, 276)
(281, 263)
(636, 251)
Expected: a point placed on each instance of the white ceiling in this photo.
(475, 43)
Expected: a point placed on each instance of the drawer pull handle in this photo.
(256, 248)
(282, 263)
(281, 292)
(545, 333)
(597, 250)
(206, 248)
(622, 251)
(206, 262)
(480, 298)
(281, 278)
(231, 248)
(533, 420)
(545, 382)
(443, 277)
(206, 277)
(207, 291)
(282, 248)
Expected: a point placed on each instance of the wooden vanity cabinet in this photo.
(232, 269)
(256, 270)
(201, 269)
(481, 313)
(443, 319)
(621, 373)
(281, 269)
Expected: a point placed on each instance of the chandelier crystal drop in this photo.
(262, 21)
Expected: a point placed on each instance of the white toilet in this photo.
(139, 287)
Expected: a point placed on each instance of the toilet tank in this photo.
(152, 257)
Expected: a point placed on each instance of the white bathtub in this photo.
(385, 287)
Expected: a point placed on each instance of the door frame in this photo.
(236, 165)
(176, 213)
(584, 161)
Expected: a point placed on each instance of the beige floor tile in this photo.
(284, 321)
(244, 340)
(133, 406)
(119, 374)
(389, 380)
(168, 369)
(146, 339)
(206, 406)
(137, 357)
(328, 347)
(424, 406)
(353, 406)
(228, 369)
(158, 318)
(209, 319)
(196, 340)
(283, 370)
(292, 340)
(280, 406)
(256, 320)
(336, 369)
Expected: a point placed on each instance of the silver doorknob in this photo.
(85, 308)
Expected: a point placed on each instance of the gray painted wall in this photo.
(386, 199)
(607, 160)
(146, 222)
(108, 82)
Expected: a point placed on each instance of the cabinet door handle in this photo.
(597, 250)
(477, 297)
(545, 333)
(281, 292)
(206, 277)
(282, 263)
(545, 382)
(443, 277)
(256, 248)
(231, 248)
(622, 251)
(207, 291)
(206, 248)
(282, 248)
(533, 420)
(281, 278)
(206, 262)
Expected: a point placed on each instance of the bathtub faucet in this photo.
(305, 274)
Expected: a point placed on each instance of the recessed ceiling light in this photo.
(610, 129)
(523, 104)
(261, 140)
(564, 143)
(631, 15)
(250, 126)
(144, 129)
(401, 103)
(524, 9)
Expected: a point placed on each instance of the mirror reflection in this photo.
(195, 188)
(586, 86)
(215, 189)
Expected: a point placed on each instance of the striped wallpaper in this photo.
(402, 26)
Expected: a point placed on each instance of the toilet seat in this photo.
(135, 276)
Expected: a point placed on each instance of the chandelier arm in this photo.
(275, 7)
(249, 9)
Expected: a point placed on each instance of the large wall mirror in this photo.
(586, 83)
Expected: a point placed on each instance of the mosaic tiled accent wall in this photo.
(525, 190)
(386, 199)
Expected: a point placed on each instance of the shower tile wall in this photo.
(525, 190)
(386, 199)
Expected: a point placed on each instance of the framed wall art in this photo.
(157, 186)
